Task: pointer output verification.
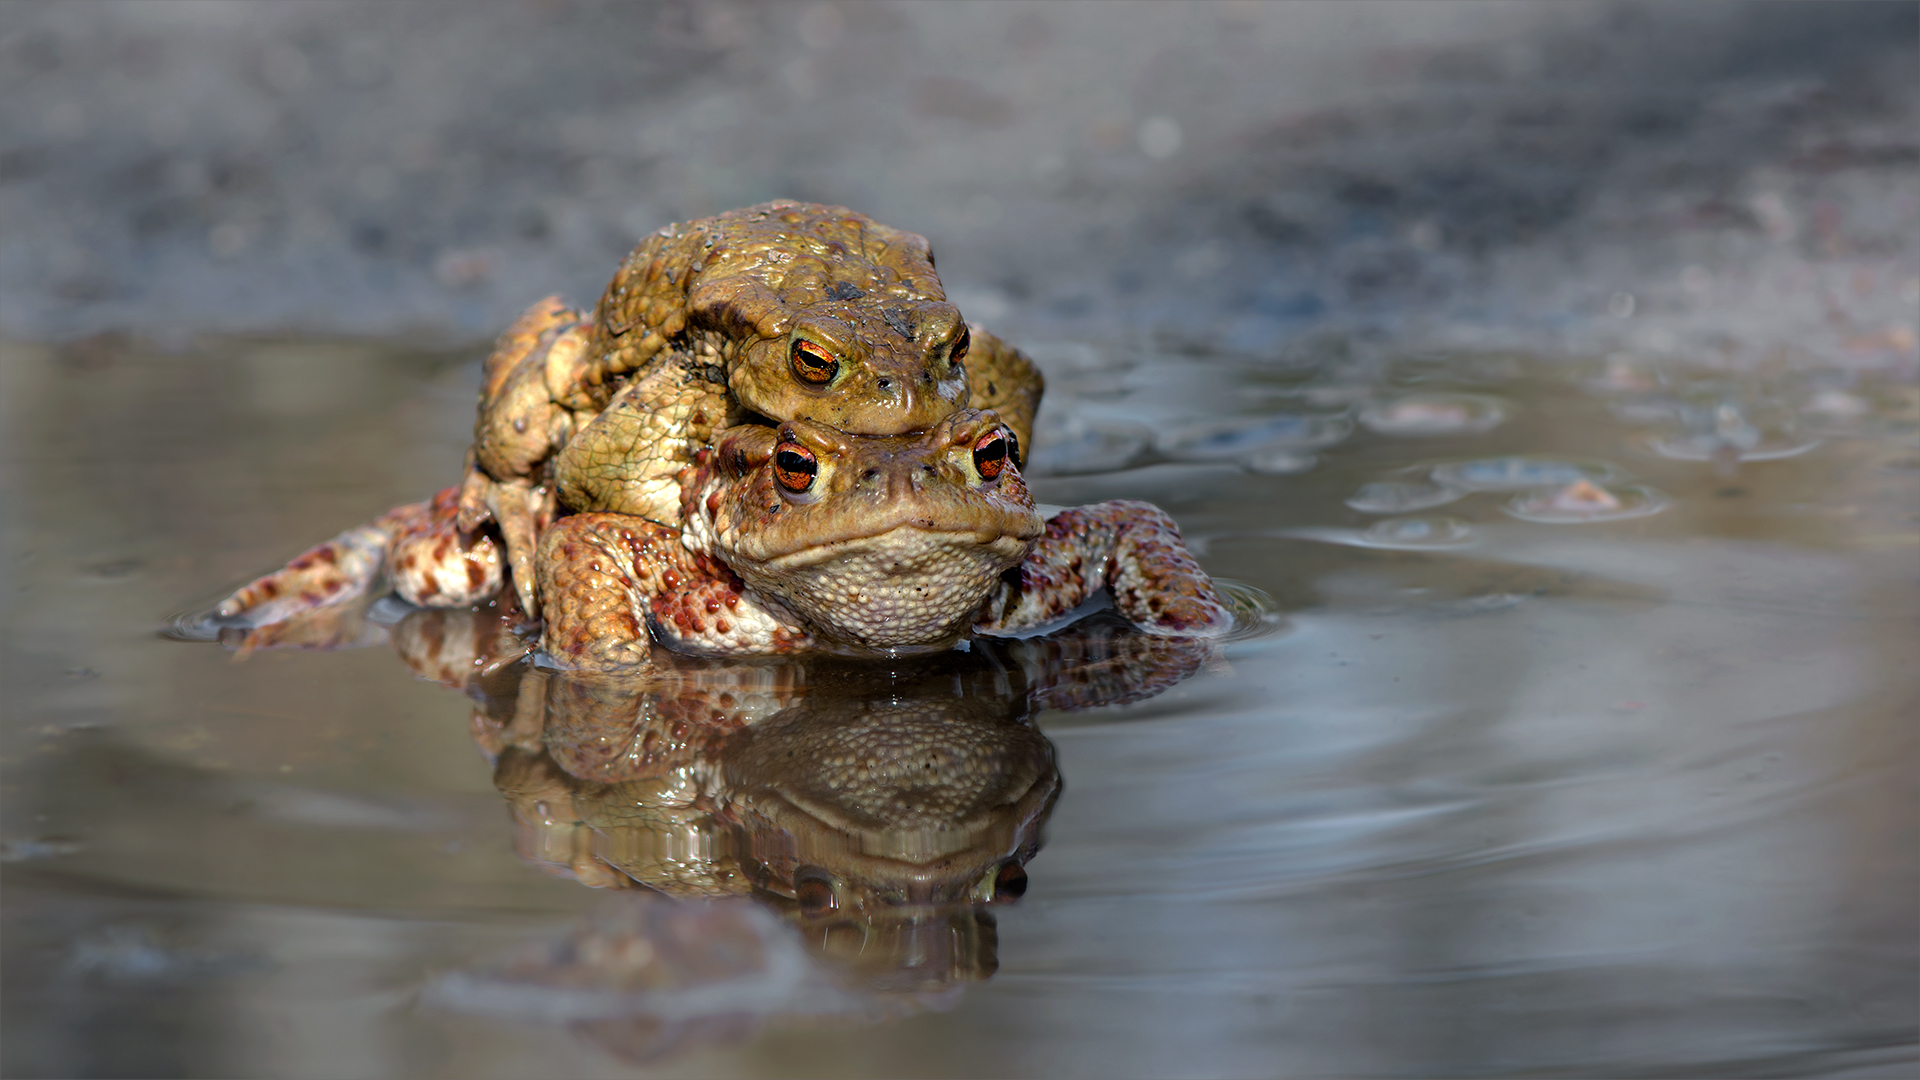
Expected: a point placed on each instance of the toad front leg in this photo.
(1132, 549)
(612, 583)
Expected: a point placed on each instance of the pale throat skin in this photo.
(892, 543)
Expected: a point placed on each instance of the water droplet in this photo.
(1280, 462)
(1401, 496)
(1584, 501)
(1520, 471)
(1422, 532)
(1434, 414)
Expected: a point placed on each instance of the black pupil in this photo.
(990, 454)
(794, 461)
(814, 895)
(812, 362)
(1011, 882)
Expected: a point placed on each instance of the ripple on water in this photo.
(1239, 437)
(1254, 612)
(1434, 414)
(1518, 472)
(1583, 502)
(1402, 496)
(1417, 532)
(1710, 446)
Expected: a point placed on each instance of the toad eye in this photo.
(1010, 883)
(814, 892)
(990, 454)
(811, 363)
(958, 354)
(794, 466)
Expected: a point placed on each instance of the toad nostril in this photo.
(870, 474)
(883, 383)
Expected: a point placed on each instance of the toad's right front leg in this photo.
(611, 584)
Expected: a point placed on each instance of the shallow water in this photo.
(1599, 797)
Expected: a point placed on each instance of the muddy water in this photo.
(1581, 742)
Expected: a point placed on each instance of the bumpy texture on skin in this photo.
(1132, 549)
(890, 548)
(699, 321)
(432, 565)
(420, 545)
(748, 281)
(605, 579)
(803, 537)
(628, 459)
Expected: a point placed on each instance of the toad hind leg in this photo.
(431, 563)
(1132, 549)
(612, 583)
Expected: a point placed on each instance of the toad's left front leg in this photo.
(1132, 549)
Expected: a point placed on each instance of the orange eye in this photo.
(958, 354)
(794, 466)
(812, 364)
(990, 454)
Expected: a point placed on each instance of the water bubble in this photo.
(1219, 440)
(1159, 137)
(1279, 462)
(1708, 448)
(1838, 404)
(1519, 472)
(1401, 496)
(1420, 532)
(1584, 501)
(1434, 414)
(1723, 432)
(1626, 374)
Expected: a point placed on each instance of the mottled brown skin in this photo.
(893, 546)
(890, 789)
(419, 547)
(884, 545)
(889, 548)
(701, 323)
(626, 459)
(750, 283)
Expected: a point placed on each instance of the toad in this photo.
(796, 538)
(783, 311)
(800, 537)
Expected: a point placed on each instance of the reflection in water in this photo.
(879, 812)
(1609, 798)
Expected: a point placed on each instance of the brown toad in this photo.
(796, 538)
(785, 311)
(804, 538)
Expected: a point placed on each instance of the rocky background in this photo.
(1716, 183)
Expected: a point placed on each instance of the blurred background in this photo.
(1699, 179)
(1604, 794)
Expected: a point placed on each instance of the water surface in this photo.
(1599, 795)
